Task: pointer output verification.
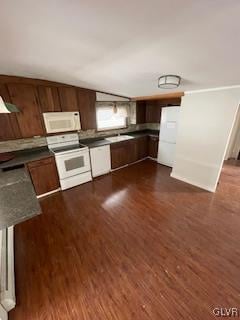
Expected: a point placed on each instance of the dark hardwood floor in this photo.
(132, 245)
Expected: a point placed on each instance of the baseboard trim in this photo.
(193, 183)
(151, 158)
(48, 193)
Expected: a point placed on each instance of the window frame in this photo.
(111, 128)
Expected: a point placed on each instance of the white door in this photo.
(100, 160)
(73, 163)
(166, 153)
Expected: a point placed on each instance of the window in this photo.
(111, 116)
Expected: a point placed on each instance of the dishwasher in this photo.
(100, 160)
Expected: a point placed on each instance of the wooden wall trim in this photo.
(159, 96)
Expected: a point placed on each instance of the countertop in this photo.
(98, 142)
(27, 155)
(18, 201)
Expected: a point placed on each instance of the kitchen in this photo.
(143, 118)
(119, 139)
(102, 134)
(75, 150)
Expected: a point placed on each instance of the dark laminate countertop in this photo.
(95, 142)
(98, 142)
(142, 133)
(18, 201)
(27, 155)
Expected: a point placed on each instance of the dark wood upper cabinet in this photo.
(49, 99)
(140, 112)
(153, 111)
(29, 118)
(9, 128)
(68, 99)
(86, 103)
(149, 111)
(44, 175)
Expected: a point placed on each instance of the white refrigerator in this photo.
(167, 135)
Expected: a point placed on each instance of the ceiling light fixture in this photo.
(169, 81)
(7, 107)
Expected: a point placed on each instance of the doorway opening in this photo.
(231, 167)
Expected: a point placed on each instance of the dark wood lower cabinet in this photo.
(119, 154)
(126, 152)
(44, 175)
(133, 151)
(142, 147)
(153, 146)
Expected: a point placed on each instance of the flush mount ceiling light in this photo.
(169, 81)
(7, 107)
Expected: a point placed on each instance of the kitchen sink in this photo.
(119, 138)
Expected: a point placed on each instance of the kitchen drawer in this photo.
(41, 162)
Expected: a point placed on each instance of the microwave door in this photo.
(61, 121)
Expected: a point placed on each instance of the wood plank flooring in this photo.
(132, 245)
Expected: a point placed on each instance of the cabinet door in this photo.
(9, 128)
(153, 111)
(49, 99)
(141, 111)
(24, 96)
(86, 103)
(119, 154)
(142, 144)
(68, 99)
(132, 150)
(153, 147)
(44, 175)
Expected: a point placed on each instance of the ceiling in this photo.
(122, 47)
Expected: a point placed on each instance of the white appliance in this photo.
(7, 282)
(72, 160)
(167, 136)
(100, 160)
(61, 121)
(3, 313)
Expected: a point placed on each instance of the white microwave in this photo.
(61, 121)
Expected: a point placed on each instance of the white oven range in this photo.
(72, 160)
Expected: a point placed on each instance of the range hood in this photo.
(7, 107)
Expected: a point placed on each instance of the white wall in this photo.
(205, 126)
(234, 143)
